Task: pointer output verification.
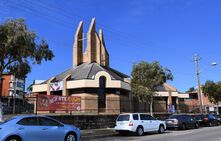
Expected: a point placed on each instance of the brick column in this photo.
(48, 85)
(64, 91)
(169, 102)
(177, 104)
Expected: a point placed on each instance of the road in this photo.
(201, 134)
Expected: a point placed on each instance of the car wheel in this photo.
(183, 126)
(13, 138)
(197, 125)
(71, 137)
(218, 123)
(140, 131)
(161, 129)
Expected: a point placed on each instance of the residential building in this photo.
(12, 86)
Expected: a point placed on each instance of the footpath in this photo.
(97, 133)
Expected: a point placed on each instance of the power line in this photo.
(63, 13)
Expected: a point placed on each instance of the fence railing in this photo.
(91, 107)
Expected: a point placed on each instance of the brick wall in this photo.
(6, 85)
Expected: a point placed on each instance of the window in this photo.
(28, 121)
(211, 117)
(150, 117)
(188, 117)
(143, 117)
(123, 118)
(102, 92)
(135, 116)
(48, 122)
(146, 117)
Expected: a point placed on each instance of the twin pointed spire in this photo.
(95, 50)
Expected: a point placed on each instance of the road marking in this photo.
(183, 133)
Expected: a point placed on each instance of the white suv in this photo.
(138, 123)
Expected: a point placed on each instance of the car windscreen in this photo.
(123, 118)
(175, 117)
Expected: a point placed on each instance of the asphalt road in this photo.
(201, 134)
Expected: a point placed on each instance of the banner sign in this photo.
(56, 86)
(58, 103)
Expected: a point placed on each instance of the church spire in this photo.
(96, 49)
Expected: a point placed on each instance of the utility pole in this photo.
(199, 93)
(1, 106)
(14, 93)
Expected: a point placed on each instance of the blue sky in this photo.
(169, 31)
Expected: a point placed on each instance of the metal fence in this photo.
(12, 105)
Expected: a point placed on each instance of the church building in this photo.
(101, 88)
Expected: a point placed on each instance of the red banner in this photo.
(58, 103)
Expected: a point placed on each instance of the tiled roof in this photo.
(88, 71)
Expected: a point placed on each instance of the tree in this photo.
(191, 89)
(20, 47)
(146, 79)
(213, 91)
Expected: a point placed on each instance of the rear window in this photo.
(123, 118)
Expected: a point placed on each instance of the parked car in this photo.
(138, 123)
(207, 120)
(181, 121)
(199, 118)
(37, 128)
(218, 118)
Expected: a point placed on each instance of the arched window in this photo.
(101, 92)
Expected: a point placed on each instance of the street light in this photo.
(199, 93)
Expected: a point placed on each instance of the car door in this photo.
(154, 123)
(190, 121)
(52, 130)
(29, 129)
(136, 120)
(145, 122)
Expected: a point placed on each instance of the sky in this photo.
(168, 31)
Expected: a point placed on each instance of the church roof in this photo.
(88, 71)
(167, 87)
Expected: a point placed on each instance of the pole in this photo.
(130, 98)
(1, 107)
(196, 59)
(15, 86)
(1, 92)
(36, 105)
